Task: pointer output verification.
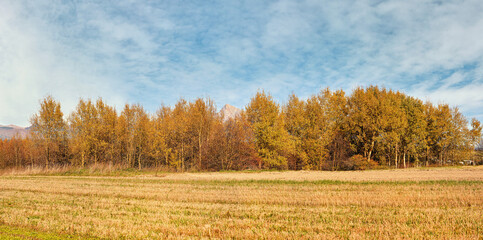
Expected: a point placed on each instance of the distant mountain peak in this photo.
(229, 112)
(15, 126)
(9, 131)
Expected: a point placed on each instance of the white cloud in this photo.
(41, 55)
(157, 52)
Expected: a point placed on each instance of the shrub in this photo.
(358, 162)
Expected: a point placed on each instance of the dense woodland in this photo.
(371, 127)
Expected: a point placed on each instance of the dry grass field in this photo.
(439, 203)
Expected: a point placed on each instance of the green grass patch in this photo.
(251, 182)
(320, 182)
(12, 232)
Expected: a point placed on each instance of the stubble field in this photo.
(386, 204)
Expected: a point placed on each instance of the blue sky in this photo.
(154, 52)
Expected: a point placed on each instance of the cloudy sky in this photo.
(153, 52)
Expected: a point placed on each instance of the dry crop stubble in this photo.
(258, 206)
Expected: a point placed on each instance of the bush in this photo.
(358, 162)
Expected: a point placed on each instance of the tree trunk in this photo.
(182, 157)
(166, 158)
(427, 156)
(333, 161)
(139, 161)
(199, 150)
(31, 158)
(370, 151)
(333, 156)
(404, 159)
(48, 158)
(16, 157)
(441, 158)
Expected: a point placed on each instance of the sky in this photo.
(154, 52)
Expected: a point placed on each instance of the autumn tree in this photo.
(240, 150)
(159, 137)
(392, 123)
(271, 139)
(319, 131)
(106, 132)
(296, 125)
(439, 130)
(339, 146)
(202, 117)
(3, 155)
(82, 124)
(459, 147)
(475, 133)
(178, 132)
(93, 132)
(230, 146)
(363, 119)
(133, 130)
(17, 145)
(49, 131)
(414, 135)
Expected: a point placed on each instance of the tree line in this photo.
(330, 130)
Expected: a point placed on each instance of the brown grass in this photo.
(101, 169)
(409, 174)
(272, 205)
